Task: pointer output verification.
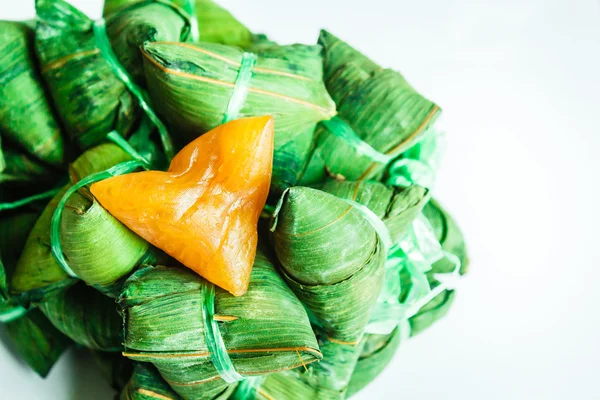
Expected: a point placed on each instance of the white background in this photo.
(519, 84)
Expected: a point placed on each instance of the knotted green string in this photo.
(190, 8)
(12, 314)
(418, 165)
(103, 43)
(240, 90)
(28, 200)
(416, 253)
(218, 352)
(55, 245)
(341, 129)
(247, 388)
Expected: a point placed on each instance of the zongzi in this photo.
(204, 210)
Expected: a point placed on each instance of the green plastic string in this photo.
(12, 314)
(341, 129)
(103, 43)
(28, 200)
(382, 231)
(418, 165)
(247, 388)
(405, 330)
(190, 8)
(218, 352)
(416, 252)
(117, 139)
(55, 245)
(240, 90)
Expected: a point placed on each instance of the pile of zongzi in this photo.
(212, 214)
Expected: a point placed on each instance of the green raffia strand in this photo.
(86, 316)
(218, 353)
(248, 388)
(105, 47)
(147, 384)
(378, 104)
(379, 349)
(311, 229)
(397, 207)
(28, 200)
(419, 164)
(195, 82)
(55, 243)
(341, 129)
(117, 139)
(26, 116)
(190, 7)
(12, 314)
(87, 95)
(382, 231)
(37, 274)
(240, 90)
(163, 316)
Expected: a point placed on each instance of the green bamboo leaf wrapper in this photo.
(378, 104)
(26, 117)
(38, 342)
(147, 384)
(192, 84)
(23, 171)
(86, 316)
(37, 274)
(378, 351)
(144, 21)
(397, 207)
(35, 339)
(90, 100)
(266, 330)
(331, 257)
(326, 380)
(216, 24)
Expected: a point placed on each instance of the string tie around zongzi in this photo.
(418, 165)
(240, 89)
(189, 6)
(341, 129)
(214, 340)
(12, 314)
(417, 251)
(248, 388)
(55, 244)
(103, 43)
(28, 200)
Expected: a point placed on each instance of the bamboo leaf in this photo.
(26, 117)
(331, 257)
(162, 310)
(378, 104)
(90, 100)
(86, 316)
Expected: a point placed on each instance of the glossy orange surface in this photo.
(204, 210)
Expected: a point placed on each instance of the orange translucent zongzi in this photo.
(204, 210)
